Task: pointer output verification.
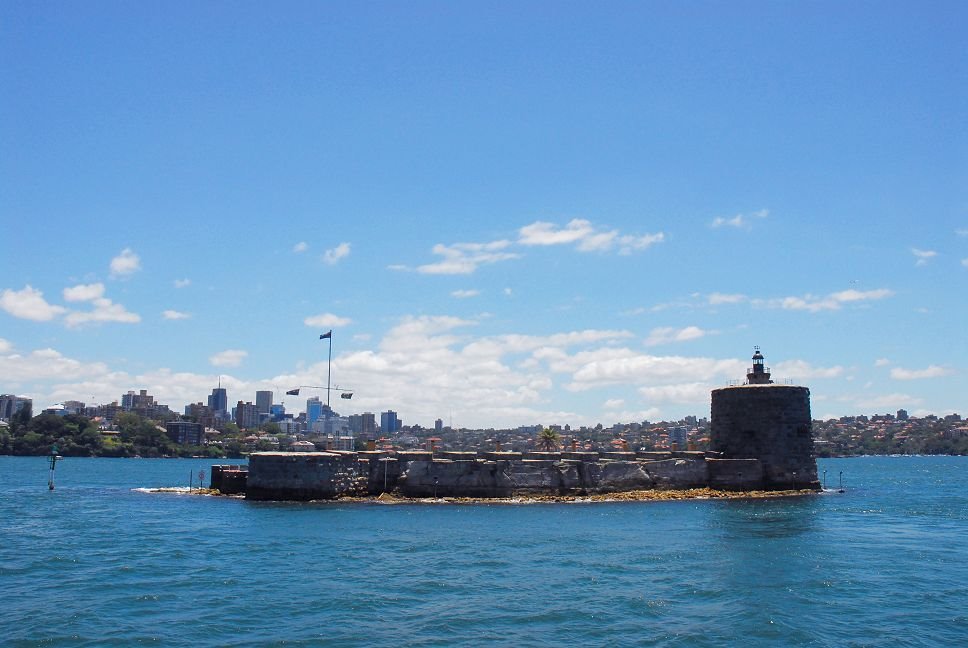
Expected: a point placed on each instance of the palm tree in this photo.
(548, 440)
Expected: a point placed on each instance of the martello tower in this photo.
(765, 421)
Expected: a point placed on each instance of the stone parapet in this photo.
(618, 456)
(657, 455)
(580, 455)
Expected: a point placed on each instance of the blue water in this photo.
(97, 563)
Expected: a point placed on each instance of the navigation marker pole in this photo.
(52, 460)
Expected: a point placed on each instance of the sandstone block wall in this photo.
(229, 479)
(305, 475)
(330, 475)
(771, 423)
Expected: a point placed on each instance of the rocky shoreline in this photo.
(651, 495)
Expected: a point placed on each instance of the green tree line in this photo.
(78, 436)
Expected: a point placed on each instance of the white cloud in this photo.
(740, 221)
(175, 315)
(182, 283)
(801, 370)
(5, 346)
(228, 358)
(300, 247)
(464, 294)
(104, 311)
(618, 366)
(923, 256)
(30, 304)
(628, 416)
(932, 371)
(587, 238)
(614, 403)
(509, 292)
(630, 244)
(964, 262)
(846, 296)
(716, 299)
(84, 292)
(127, 262)
(962, 231)
(544, 233)
(667, 334)
(48, 364)
(326, 320)
(465, 258)
(881, 362)
(833, 301)
(334, 255)
(886, 402)
(683, 393)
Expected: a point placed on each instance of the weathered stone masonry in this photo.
(331, 475)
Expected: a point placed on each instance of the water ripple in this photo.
(96, 563)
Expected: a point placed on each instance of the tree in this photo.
(271, 427)
(233, 448)
(548, 440)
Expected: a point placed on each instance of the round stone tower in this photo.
(769, 422)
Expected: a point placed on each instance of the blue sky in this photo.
(508, 213)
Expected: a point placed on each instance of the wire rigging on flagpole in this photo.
(345, 392)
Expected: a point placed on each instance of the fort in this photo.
(760, 440)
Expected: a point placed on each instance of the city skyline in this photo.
(506, 216)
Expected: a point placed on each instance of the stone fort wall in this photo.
(331, 475)
(770, 423)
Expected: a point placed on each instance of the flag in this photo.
(293, 392)
(326, 336)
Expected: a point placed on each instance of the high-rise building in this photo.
(438, 426)
(246, 415)
(314, 409)
(363, 425)
(185, 432)
(74, 407)
(10, 405)
(389, 422)
(201, 414)
(277, 412)
(218, 402)
(679, 435)
(144, 405)
(263, 400)
(141, 400)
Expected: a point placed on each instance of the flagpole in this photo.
(329, 369)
